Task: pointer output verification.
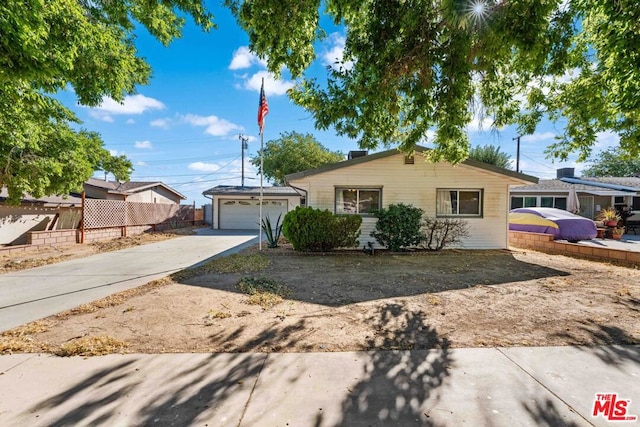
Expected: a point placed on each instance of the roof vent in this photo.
(409, 160)
(355, 154)
(565, 173)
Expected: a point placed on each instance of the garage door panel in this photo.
(245, 214)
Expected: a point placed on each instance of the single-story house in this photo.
(238, 207)
(141, 192)
(474, 191)
(594, 194)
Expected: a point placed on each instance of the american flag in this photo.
(263, 108)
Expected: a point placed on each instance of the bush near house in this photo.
(310, 229)
(441, 232)
(399, 227)
(402, 226)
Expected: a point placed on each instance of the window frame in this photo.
(480, 213)
(538, 200)
(358, 189)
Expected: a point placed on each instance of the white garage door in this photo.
(245, 214)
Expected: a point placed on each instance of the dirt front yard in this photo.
(282, 301)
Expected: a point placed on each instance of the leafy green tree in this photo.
(87, 46)
(492, 155)
(413, 66)
(294, 152)
(612, 162)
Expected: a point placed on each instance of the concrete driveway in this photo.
(30, 295)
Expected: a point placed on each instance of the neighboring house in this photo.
(142, 192)
(238, 208)
(60, 213)
(46, 213)
(474, 191)
(594, 194)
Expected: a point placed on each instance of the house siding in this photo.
(154, 195)
(416, 185)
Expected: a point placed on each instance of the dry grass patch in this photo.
(115, 299)
(21, 340)
(91, 346)
(236, 263)
(263, 291)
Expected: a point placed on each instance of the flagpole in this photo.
(261, 188)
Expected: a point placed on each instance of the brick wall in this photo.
(545, 243)
(97, 234)
(52, 238)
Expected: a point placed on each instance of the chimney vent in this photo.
(565, 173)
(354, 154)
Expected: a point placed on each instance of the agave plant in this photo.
(273, 234)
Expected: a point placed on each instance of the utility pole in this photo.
(243, 146)
(517, 138)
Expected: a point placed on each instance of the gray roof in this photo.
(47, 201)
(229, 190)
(395, 151)
(580, 184)
(129, 187)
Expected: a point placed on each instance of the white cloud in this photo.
(132, 104)
(272, 86)
(161, 123)
(244, 58)
(141, 164)
(606, 140)
(335, 53)
(214, 125)
(537, 137)
(477, 124)
(204, 167)
(142, 144)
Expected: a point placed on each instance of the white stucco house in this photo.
(474, 191)
(238, 207)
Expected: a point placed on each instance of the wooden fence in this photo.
(108, 218)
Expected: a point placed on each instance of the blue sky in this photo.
(183, 128)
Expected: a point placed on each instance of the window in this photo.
(636, 204)
(459, 203)
(538, 201)
(357, 200)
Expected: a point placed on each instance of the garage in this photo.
(243, 214)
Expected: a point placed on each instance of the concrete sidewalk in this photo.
(553, 386)
(32, 294)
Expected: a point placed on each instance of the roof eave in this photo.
(370, 157)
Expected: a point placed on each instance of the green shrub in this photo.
(399, 227)
(310, 229)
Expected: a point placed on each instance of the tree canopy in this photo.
(410, 67)
(86, 46)
(294, 152)
(492, 155)
(612, 162)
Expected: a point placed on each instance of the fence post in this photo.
(82, 219)
(194, 213)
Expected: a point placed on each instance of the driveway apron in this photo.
(32, 294)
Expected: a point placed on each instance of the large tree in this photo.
(294, 152)
(82, 45)
(492, 155)
(411, 66)
(612, 162)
